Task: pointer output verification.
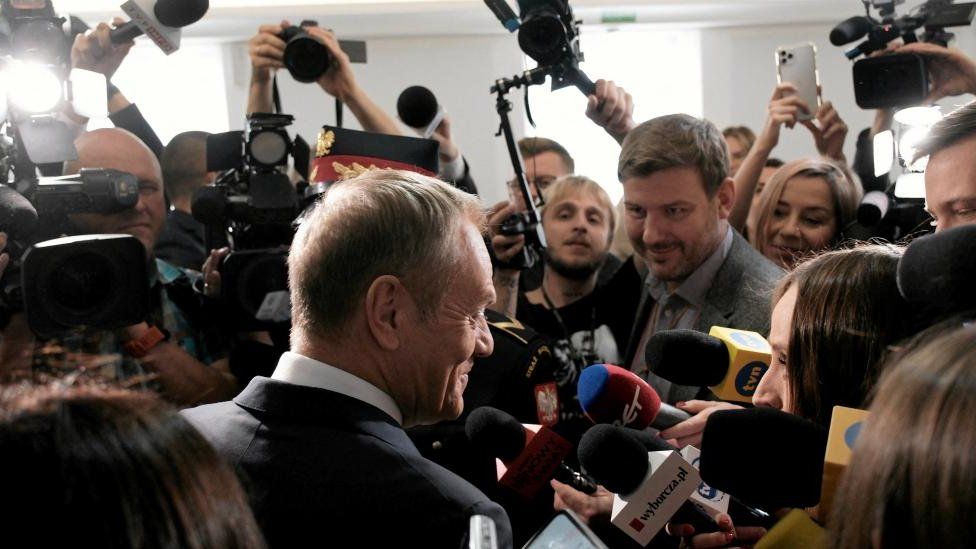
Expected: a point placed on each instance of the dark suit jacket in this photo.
(328, 470)
(739, 298)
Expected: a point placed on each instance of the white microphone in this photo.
(160, 20)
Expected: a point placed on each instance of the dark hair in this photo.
(102, 467)
(184, 164)
(911, 478)
(958, 125)
(848, 311)
(774, 163)
(675, 141)
(534, 146)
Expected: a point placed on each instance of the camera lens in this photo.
(542, 37)
(305, 57)
(82, 282)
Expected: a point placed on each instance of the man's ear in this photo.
(384, 311)
(726, 197)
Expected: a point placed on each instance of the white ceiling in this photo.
(237, 19)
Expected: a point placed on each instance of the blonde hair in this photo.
(845, 192)
(383, 222)
(577, 184)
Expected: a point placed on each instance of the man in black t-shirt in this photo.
(587, 323)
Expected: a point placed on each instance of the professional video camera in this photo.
(900, 80)
(549, 34)
(252, 208)
(97, 281)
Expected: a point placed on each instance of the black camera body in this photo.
(252, 208)
(898, 80)
(549, 34)
(96, 281)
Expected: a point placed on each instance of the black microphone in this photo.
(651, 480)
(150, 20)
(18, 218)
(612, 458)
(873, 208)
(936, 272)
(850, 30)
(729, 362)
(418, 108)
(785, 452)
(532, 454)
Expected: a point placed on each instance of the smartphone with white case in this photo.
(797, 64)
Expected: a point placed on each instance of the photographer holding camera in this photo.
(267, 50)
(170, 346)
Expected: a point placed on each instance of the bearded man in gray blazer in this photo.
(701, 272)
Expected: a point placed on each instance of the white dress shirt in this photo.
(301, 370)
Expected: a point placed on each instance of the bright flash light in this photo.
(33, 88)
(908, 145)
(912, 127)
(884, 152)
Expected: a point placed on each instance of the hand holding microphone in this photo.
(159, 20)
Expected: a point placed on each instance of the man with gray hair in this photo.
(389, 278)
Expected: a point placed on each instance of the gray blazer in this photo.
(739, 298)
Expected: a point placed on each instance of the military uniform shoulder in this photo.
(510, 327)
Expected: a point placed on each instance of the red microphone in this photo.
(614, 395)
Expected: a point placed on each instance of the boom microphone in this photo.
(418, 108)
(530, 454)
(730, 362)
(849, 30)
(611, 394)
(159, 20)
(785, 451)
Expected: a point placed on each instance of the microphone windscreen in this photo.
(180, 13)
(611, 394)
(613, 457)
(18, 217)
(936, 272)
(417, 106)
(495, 433)
(687, 357)
(850, 30)
(764, 456)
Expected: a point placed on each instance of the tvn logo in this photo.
(747, 380)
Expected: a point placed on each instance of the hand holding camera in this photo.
(267, 51)
(611, 108)
(951, 72)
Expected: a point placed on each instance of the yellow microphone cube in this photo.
(794, 531)
(749, 356)
(845, 426)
